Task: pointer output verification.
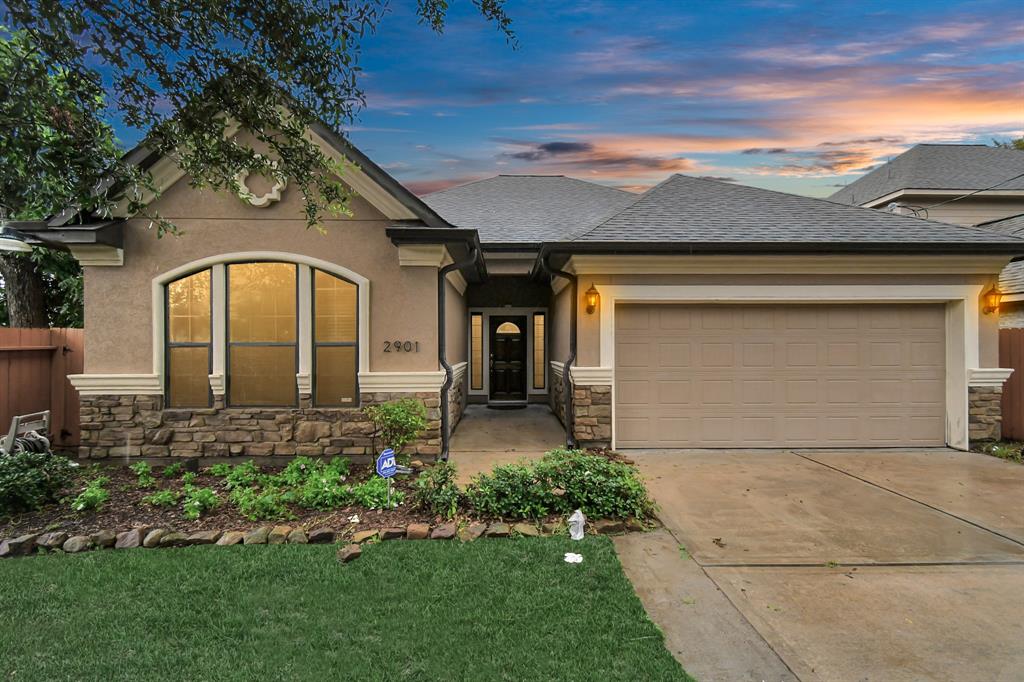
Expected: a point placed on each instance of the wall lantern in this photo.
(993, 297)
(593, 299)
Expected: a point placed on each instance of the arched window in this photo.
(188, 358)
(508, 328)
(259, 332)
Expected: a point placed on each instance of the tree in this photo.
(1010, 144)
(188, 70)
(53, 148)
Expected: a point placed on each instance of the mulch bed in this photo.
(125, 509)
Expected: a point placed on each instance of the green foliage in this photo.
(146, 479)
(220, 470)
(243, 475)
(162, 498)
(254, 503)
(172, 470)
(94, 495)
(1009, 451)
(198, 500)
(323, 485)
(188, 478)
(436, 491)
(31, 479)
(398, 422)
(187, 72)
(373, 494)
(558, 483)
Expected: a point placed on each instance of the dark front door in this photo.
(508, 357)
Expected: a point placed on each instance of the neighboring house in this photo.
(698, 314)
(962, 184)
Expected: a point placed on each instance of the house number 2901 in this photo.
(401, 346)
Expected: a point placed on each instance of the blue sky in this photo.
(786, 94)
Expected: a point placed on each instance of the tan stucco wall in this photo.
(966, 211)
(118, 315)
(561, 314)
(456, 324)
(588, 343)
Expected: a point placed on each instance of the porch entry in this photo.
(508, 355)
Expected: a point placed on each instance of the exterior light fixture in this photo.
(13, 241)
(993, 297)
(593, 299)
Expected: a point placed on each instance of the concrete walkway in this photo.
(486, 437)
(850, 565)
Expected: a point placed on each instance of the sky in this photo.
(792, 95)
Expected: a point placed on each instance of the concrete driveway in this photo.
(850, 565)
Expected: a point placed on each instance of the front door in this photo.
(508, 357)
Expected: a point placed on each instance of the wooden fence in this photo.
(34, 366)
(1011, 355)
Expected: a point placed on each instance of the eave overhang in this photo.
(458, 241)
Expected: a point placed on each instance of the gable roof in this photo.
(702, 214)
(1011, 279)
(528, 209)
(954, 167)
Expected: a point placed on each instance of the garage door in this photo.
(702, 376)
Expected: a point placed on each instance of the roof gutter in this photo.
(442, 344)
(567, 386)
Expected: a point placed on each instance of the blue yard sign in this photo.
(386, 465)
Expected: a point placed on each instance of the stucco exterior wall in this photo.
(589, 326)
(403, 301)
(456, 325)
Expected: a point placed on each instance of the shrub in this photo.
(220, 470)
(172, 470)
(243, 475)
(188, 478)
(254, 503)
(144, 472)
(398, 422)
(162, 498)
(197, 501)
(28, 480)
(94, 495)
(558, 483)
(373, 494)
(323, 492)
(436, 491)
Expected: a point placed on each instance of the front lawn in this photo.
(482, 610)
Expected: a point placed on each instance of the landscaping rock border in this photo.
(152, 538)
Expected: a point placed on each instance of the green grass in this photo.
(485, 610)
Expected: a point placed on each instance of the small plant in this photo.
(220, 470)
(398, 422)
(188, 478)
(28, 480)
(1009, 451)
(256, 504)
(144, 472)
(172, 470)
(373, 494)
(197, 501)
(436, 491)
(94, 495)
(243, 475)
(513, 491)
(161, 498)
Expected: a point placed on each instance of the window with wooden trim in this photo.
(476, 351)
(539, 351)
(188, 356)
(335, 332)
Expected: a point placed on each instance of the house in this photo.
(697, 314)
(962, 184)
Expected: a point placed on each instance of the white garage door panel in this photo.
(779, 375)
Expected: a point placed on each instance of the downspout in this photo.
(567, 387)
(442, 344)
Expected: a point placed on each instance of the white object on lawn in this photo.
(573, 558)
(576, 523)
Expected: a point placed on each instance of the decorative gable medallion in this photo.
(271, 197)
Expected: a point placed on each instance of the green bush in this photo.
(243, 475)
(219, 470)
(373, 494)
(144, 472)
(188, 478)
(436, 491)
(560, 482)
(398, 422)
(28, 480)
(255, 503)
(94, 495)
(197, 501)
(162, 498)
(172, 470)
